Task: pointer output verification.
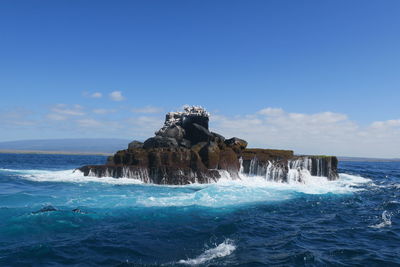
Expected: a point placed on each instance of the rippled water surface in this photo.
(50, 215)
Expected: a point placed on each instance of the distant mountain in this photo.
(85, 145)
(358, 159)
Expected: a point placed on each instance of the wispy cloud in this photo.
(56, 117)
(91, 123)
(92, 94)
(75, 110)
(104, 111)
(147, 109)
(116, 96)
(96, 95)
(18, 117)
(144, 126)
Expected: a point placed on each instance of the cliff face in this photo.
(282, 165)
(184, 151)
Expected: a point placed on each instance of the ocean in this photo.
(53, 216)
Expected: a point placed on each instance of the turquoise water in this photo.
(250, 222)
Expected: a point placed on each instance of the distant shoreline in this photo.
(356, 159)
(54, 152)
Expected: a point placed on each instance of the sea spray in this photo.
(225, 192)
(222, 250)
(386, 220)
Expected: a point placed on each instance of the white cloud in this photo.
(271, 111)
(319, 133)
(385, 124)
(147, 109)
(116, 96)
(96, 95)
(144, 126)
(104, 111)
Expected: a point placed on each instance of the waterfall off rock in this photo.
(185, 151)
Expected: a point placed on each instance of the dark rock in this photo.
(266, 154)
(159, 141)
(185, 143)
(210, 155)
(48, 208)
(185, 151)
(77, 210)
(175, 131)
(195, 119)
(135, 144)
(217, 138)
(277, 163)
(197, 147)
(324, 166)
(236, 144)
(159, 166)
(196, 133)
(229, 161)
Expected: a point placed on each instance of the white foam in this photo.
(225, 192)
(222, 250)
(310, 185)
(71, 176)
(228, 192)
(386, 221)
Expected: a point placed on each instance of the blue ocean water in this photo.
(120, 222)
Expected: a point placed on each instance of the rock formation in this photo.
(185, 151)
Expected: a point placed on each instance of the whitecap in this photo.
(386, 221)
(225, 192)
(222, 250)
(70, 176)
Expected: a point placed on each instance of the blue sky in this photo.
(282, 74)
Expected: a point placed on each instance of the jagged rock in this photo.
(236, 144)
(229, 161)
(197, 147)
(159, 141)
(217, 138)
(135, 144)
(175, 131)
(184, 151)
(159, 166)
(210, 155)
(196, 133)
(185, 143)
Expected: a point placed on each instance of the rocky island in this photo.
(185, 151)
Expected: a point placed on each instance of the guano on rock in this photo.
(185, 151)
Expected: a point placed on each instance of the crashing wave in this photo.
(222, 250)
(386, 221)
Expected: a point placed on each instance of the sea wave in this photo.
(69, 176)
(386, 220)
(225, 192)
(222, 250)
